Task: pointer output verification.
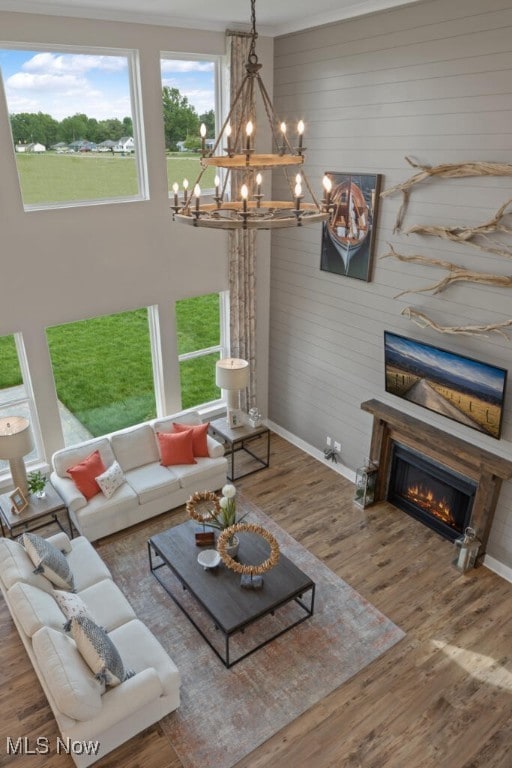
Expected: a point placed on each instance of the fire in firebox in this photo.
(424, 498)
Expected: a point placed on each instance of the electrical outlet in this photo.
(337, 446)
(328, 442)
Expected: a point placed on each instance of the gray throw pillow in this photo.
(98, 651)
(49, 560)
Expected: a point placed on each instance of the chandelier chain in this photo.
(252, 50)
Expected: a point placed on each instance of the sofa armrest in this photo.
(69, 493)
(121, 702)
(61, 541)
(215, 449)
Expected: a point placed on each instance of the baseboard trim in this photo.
(497, 567)
(341, 469)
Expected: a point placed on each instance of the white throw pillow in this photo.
(110, 480)
(71, 606)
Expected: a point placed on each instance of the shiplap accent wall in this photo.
(432, 81)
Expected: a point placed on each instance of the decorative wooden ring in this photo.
(195, 499)
(250, 570)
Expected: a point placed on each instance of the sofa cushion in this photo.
(87, 566)
(99, 652)
(33, 608)
(152, 481)
(122, 500)
(68, 457)
(198, 476)
(48, 560)
(69, 680)
(199, 433)
(140, 649)
(110, 480)
(135, 447)
(107, 605)
(16, 566)
(176, 448)
(84, 474)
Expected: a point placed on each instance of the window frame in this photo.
(222, 347)
(219, 61)
(135, 90)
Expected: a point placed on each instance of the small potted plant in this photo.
(36, 483)
(227, 516)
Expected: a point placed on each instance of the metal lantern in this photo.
(366, 480)
(466, 550)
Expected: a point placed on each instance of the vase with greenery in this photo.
(227, 515)
(36, 483)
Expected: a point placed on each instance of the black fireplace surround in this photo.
(430, 492)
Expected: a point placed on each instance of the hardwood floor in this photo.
(442, 697)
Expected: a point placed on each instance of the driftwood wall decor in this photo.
(444, 171)
(477, 237)
(426, 322)
(456, 274)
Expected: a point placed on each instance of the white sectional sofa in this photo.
(86, 712)
(150, 488)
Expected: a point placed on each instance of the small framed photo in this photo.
(19, 502)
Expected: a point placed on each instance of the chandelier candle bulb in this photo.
(244, 193)
(300, 131)
(185, 190)
(197, 193)
(298, 195)
(327, 184)
(202, 131)
(283, 131)
(175, 189)
(248, 130)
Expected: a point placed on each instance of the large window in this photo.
(190, 97)
(76, 125)
(202, 340)
(16, 397)
(103, 372)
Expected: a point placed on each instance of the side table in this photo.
(246, 439)
(38, 514)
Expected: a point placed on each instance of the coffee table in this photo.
(231, 608)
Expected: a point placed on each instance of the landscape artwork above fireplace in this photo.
(463, 389)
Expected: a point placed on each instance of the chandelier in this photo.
(241, 167)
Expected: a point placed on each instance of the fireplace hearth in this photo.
(451, 506)
(434, 494)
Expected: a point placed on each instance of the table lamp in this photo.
(15, 443)
(232, 375)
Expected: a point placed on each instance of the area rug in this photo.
(226, 713)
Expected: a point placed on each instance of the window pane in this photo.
(197, 378)
(72, 125)
(188, 99)
(103, 370)
(198, 323)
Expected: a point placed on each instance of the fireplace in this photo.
(458, 461)
(432, 493)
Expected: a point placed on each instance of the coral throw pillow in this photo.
(199, 441)
(84, 474)
(176, 448)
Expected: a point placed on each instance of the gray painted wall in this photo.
(432, 81)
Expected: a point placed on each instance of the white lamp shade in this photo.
(15, 437)
(232, 373)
